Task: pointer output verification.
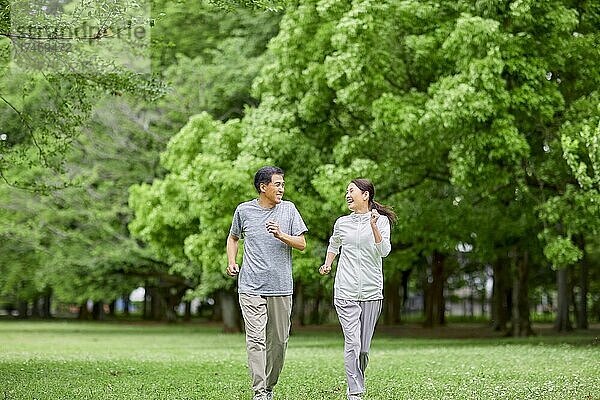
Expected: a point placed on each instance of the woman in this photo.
(364, 237)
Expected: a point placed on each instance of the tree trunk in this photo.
(98, 311)
(574, 309)
(298, 308)
(41, 306)
(111, 308)
(170, 302)
(84, 312)
(35, 308)
(392, 300)
(145, 304)
(434, 304)
(521, 324)
(22, 308)
(315, 316)
(47, 310)
(563, 322)
(483, 299)
(500, 296)
(584, 276)
(230, 310)
(217, 310)
(471, 309)
(158, 305)
(404, 284)
(126, 304)
(404, 295)
(188, 311)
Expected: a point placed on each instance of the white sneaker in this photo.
(259, 396)
(269, 395)
(354, 396)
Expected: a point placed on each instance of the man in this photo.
(270, 228)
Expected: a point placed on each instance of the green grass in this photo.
(73, 360)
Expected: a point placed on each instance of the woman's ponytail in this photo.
(365, 185)
(384, 210)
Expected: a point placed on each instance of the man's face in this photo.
(274, 190)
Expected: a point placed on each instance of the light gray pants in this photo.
(267, 321)
(358, 320)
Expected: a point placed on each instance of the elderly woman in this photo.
(364, 238)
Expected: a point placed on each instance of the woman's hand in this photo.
(374, 216)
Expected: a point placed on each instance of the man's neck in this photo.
(265, 203)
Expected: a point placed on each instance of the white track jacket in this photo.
(359, 274)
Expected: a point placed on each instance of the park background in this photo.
(478, 121)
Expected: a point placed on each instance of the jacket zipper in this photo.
(359, 266)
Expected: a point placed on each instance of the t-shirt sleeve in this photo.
(236, 224)
(335, 241)
(298, 225)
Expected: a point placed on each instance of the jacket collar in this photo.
(360, 217)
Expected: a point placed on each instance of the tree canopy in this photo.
(478, 121)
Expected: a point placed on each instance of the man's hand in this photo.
(233, 269)
(273, 228)
(324, 269)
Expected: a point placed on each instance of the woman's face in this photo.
(355, 198)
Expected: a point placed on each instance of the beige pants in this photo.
(267, 321)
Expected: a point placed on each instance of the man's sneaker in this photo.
(269, 395)
(259, 396)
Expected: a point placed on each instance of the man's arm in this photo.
(297, 242)
(232, 249)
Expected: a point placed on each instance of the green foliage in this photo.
(186, 217)
(562, 252)
(48, 96)
(234, 5)
(197, 29)
(77, 242)
(478, 121)
(5, 53)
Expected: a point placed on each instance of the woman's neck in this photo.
(362, 210)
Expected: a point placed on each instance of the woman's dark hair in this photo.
(365, 185)
(264, 175)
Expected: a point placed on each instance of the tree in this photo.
(185, 217)
(466, 98)
(82, 246)
(78, 239)
(61, 88)
(572, 216)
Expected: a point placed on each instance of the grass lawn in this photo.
(74, 360)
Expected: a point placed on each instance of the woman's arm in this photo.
(381, 233)
(326, 268)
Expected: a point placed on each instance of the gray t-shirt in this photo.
(267, 263)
